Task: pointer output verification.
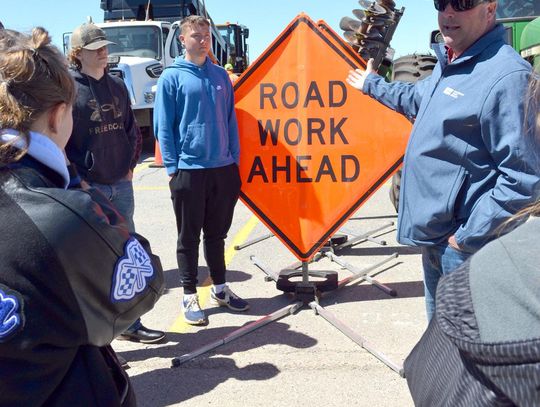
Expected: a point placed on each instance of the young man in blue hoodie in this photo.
(195, 123)
(467, 168)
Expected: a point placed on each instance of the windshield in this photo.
(518, 8)
(226, 33)
(134, 41)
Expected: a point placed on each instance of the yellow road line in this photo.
(141, 167)
(179, 325)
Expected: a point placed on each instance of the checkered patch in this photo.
(132, 272)
(10, 315)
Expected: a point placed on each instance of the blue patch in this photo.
(132, 273)
(11, 318)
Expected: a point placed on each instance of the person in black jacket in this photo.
(105, 144)
(72, 278)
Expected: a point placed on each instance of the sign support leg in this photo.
(282, 312)
(306, 294)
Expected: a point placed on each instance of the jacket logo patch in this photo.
(452, 93)
(218, 87)
(132, 272)
(98, 109)
(10, 315)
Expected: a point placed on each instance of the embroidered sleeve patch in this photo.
(132, 272)
(11, 316)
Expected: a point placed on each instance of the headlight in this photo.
(154, 70)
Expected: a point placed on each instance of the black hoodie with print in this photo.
(105, 142)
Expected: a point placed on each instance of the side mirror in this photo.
(436, 37)
(246, 32)
(113, 60)
(66, 40)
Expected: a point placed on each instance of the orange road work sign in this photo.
(312, 148)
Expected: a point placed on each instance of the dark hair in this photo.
(33, 79)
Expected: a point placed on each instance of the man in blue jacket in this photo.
(195, 123)
(467, 168)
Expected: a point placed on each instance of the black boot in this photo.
(139, 333)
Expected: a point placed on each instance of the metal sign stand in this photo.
(308, 293)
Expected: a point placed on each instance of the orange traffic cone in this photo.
(158, 161)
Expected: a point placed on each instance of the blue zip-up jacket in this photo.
(194, 117)
(468, 165)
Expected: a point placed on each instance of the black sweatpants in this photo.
(203, 199)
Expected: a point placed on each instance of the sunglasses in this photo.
(458, 5)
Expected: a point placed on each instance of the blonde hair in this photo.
(532, 132)
(73, 58)
(33, 79)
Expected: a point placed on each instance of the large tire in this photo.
(410, 68)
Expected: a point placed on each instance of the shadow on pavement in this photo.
(182, 343)
(195, 379)
(368, 292)
(172, 276)
(201, 374)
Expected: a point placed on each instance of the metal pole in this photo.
(147, 13)
(253, 241)
(359, 274)
(364, 236)
(256, 261)
(362, 273)
(356, 337)
(289, 309)
(305, 272)
(370, 238)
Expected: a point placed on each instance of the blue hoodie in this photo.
(194, 117)
(468, 166)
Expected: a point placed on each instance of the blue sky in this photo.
(265, 19)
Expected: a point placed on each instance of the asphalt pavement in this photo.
(299, 358)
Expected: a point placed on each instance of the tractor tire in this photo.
(410, 68)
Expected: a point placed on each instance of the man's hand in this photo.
(452, 243)
(357, 77)
(85, 186)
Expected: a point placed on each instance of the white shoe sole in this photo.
(222, 303)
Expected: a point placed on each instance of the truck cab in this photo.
(235, 36)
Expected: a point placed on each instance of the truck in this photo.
(521, 19)
(146, 37)
(235, 36)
